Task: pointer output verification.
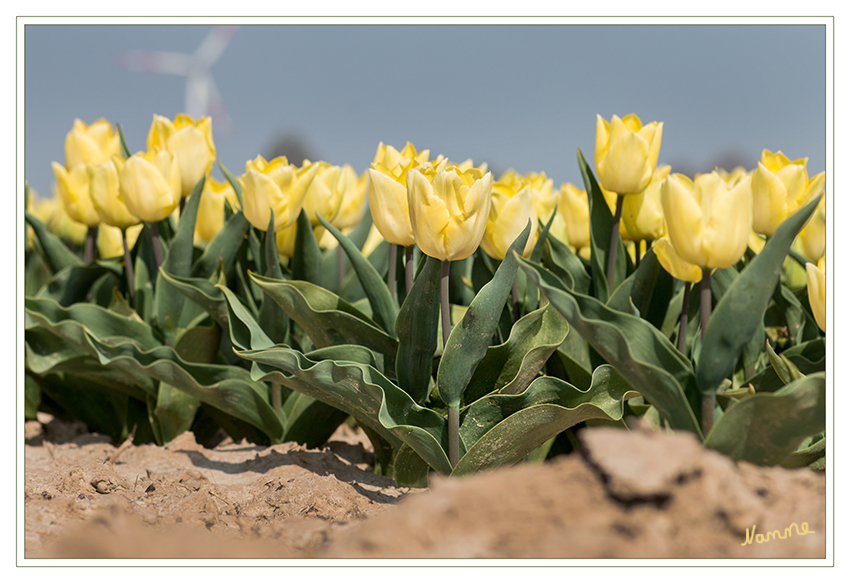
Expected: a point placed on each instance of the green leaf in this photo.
(224, 247)
(234, 182)
(416, 328)
(601, 224)
(766, 429)
(273, 319)
(307, 256)
(326, 318)
(203, 292)
(635, 348)
(510, 367)
(807, 456)
(174, 412)
(560, 259)
(55, 253)
(32, 397)
(178, 261)
(808, 358)
(125, 151)
(738, 314)
(503, 429)
(470, 339)
(308, 421)
(783, 366)
(71, 285)
(384, 308)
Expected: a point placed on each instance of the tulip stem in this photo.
(128, 269)
(444, 302)
(708, 401)
(613, 247)
(683, 319)
(515, 300)
(182, 204)
(391, 272)
(454, 435)
(157, 247)
(408, 268)
(637, 253)
(340, 267)
(91, 235)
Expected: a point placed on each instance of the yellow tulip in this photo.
(285, 240)
(643, 217)
(149, 183)
(816, 283)
(73, 189)
(105, 195)
(324, 195)
(109, 243)
(780, 187)
(387, 191)
(275, 185)
(353, 205)
(673, 263)
(210, 219)
(573, 209)
(813, 236)
(543, 195)
(467, 164)
(90, 144)
(448, 209)
(626, 153)
(51, 212)
(509, 215)
(757, 242)
(611, 200)
(192, 143)
(735, 176)
(708, 222)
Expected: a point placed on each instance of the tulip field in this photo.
(464, 321)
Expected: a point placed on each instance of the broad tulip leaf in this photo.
(560, 259)
(504, 429)
(71, 285)
(203, 292)
(638, 287)
(784, 368)
(601, 224)
(273, 319)
(326, 318)
(307, 256)
(350, 352)
(44, 350)
(223, 248)
(635, 348)
(309, 421)
(409, 469)
(416, 328)
(574, 356)
(174, 413)
(766, 429)
(808, 358)
(470, 338)
(807, 456)
(738, 314)
(178, 261)
(384, 308)
(234, 182)
(32, 397)
(510, 367)
(55, 253)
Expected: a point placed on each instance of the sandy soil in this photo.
(628, 494)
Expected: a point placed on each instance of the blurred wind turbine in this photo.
(202, 97)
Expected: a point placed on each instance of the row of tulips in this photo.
(552, 312)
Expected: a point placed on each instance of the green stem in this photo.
(637, 253)
(408, 268)
(157, 247)
(128, 269)
(707, 422)
(454, 435)
(683, 319)
(444, 302)
(613, 247)
(391, 271)
(799, 258)
(91, 236)
(707, 405)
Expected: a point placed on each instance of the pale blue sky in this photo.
(514, 96)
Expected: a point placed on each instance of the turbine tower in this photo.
(202, 97)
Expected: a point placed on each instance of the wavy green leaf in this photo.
(202, 292)
(307, 256)
(738, 314)
(55, 253)
(638, 287)
(635, 348)
(224, 247)
(808, 358)
(559, 258)
(766, 429)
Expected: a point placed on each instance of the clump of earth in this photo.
(625, 494)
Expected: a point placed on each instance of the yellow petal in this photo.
(625, 169)
(728, 223)
(816, 284)
(673, 263)
(389, 207)
(684, 218)
(770, 200)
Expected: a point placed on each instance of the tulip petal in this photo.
(728, 225)
(673, 263)
(770, 201)
(816, 284)
(625, 169)
(684, 219)
(388, 204)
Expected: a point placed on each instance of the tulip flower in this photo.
(387, 191)
(574, 211)
(780, 187)
(813, 236)
(625, 156)
(353, 205)
(285, 240)
(816, 283)
(274, 185)
(325, 192)
(192, 143)
(90, 144)
(210, 219)
(105, 196)
(509, 214)
(642, 215)
(149, 184)
(73, 189)
(51, 212)
(110, 239)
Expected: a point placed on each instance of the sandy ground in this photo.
(628, 494)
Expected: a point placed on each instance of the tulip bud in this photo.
(274, 185)
(780, 188)
(51, 212)
(149, 184)
(109, 242)
(574, 210)
(643, 217)
(387, 191)
(105, 196)
(73, 189)
(448, 209)
(285, 240)
(353, 205)
(816, 284)
(210, 219)
(190, 141)
(813, 236)
(673, 263)
(511, 208)
(708, 222)
(626, 153)
(324, 195)
(94, 144)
